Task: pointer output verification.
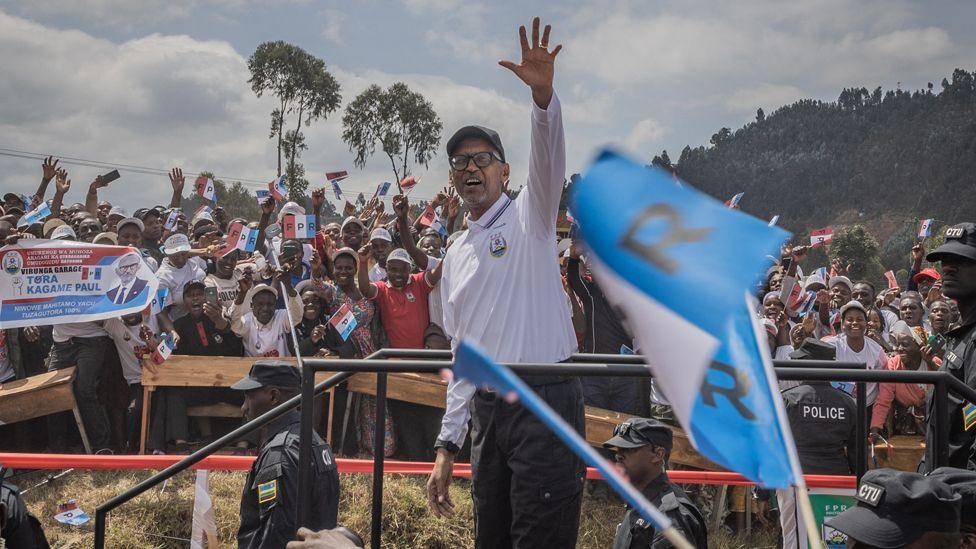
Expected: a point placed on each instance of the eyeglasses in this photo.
(129, 268)
(460, 162)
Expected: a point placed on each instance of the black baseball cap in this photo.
(479, 132)
(270, 373)
(194, 284)
(895, 508)
(814, 349)
(960, 240)
(963, 483)
(639, 431)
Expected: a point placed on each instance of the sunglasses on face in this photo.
(460, 162)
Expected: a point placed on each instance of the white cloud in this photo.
(767, 96)
(334, 21)
(646, 132)
(112, 12)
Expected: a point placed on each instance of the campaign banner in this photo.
(925, 228)
(60, 281)
(298, 226)
(262, 194)
(160, 302)
(821, 237)
(38, 214)
(343, 321)
(205, 188)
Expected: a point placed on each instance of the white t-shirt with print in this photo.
(130, 345)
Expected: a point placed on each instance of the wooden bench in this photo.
(199, 371)
(41, 395)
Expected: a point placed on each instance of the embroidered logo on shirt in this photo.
(410, 297)
(497, 245)
(268, 491)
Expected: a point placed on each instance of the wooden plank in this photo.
(904, 454)
(205, 371)
(37, 396)
(221, 409)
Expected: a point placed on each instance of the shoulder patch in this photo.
(268, 491)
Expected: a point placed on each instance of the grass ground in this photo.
(161, 518)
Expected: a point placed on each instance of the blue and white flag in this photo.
(925, 228)
(38, 214)
(344, 321)
(382, 188)
(337, 190)
(262, 194)
(680, 265)
(278, 188)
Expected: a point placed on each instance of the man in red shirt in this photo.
(402, 301)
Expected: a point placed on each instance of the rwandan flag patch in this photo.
(968, 416)
(268, 491)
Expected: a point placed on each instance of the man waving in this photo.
(501, 289)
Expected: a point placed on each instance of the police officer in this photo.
(19, 529)
(822, 418)
(962, 483)
(958, 259)
(270, 498)
(899, 509)
(642, 447)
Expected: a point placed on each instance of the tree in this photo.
(855, 247)
(304, 87)
(760, 115)
(403, 122)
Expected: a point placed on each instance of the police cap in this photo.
(963, 483)
(960, 240)
(895, 508)
(814, 349)
(270, 373)
(639, 431)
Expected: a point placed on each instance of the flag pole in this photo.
(803, 498)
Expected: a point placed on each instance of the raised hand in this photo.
(365, 252)
(268, 206)
(537, 66)
(401, 206)
(918, 253)
(62, 183)
(177, 180)
(318, 333)
(318, 199)
(49, 168)
(439, 199)
(349, 209)
(98, 183)
(244, 284)
(453, 202)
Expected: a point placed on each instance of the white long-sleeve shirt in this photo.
(266, 340)
(500, 285)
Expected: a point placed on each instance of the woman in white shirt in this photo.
(853, 346)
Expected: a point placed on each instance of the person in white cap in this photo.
(351, 233)
(381, 244)
(262, 327)
(853, 346)
(177, 270)
(115, 215)
(501, 289)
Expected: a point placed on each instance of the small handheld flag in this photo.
(428, 218)
(892, 280)
(343, 321)
(201, 211)
(472, 364)
(205, 188)
(298, 226)
(172, 219)
(240, 237)
(925, 228)
(159, 302)
(262, 194)
(821, 237)
(164, 350)
(38, 214)
(337, 190)
(733, 202)
(336, 177)
(278, 188)
(408, 183)
(382, 188)
(774, 220)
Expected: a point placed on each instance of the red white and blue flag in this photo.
(205, 188)
(408, 183)
(240, 237)
(925, 228)
(343, 321)
(733, 202)
(337, 190)
(335, 177)
(298, 226)
(262, 194)
(172, 219)
(821, 237)
(278, 188)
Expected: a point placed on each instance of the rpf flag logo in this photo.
(278, 188)
(344, 321)
(925, 228)
(298, 226)
(205, 188)
(681, 265)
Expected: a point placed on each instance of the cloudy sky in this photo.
(161, 83)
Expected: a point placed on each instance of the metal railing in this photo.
(430, 361)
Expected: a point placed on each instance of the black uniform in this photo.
(21, 529)
(960, 361)
(636, 533)
(270, 499)
(823, 422)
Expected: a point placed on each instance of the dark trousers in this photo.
(526, 484)
(87, 354)
(417, 427)
(619, 394)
